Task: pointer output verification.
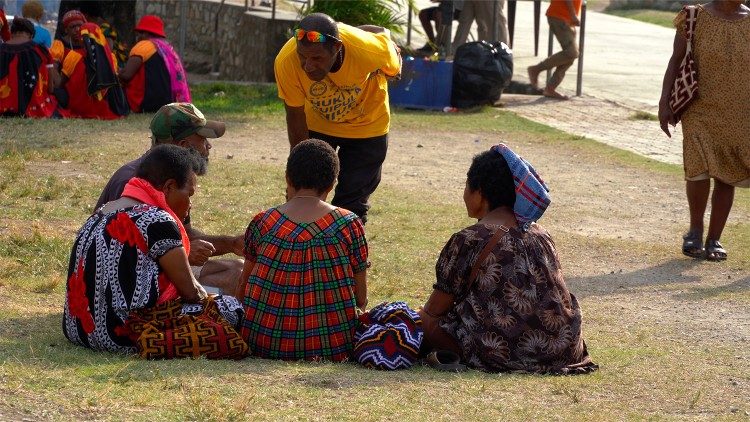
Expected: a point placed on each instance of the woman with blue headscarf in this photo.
(500, 301)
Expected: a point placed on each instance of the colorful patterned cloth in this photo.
(389, 337)
(518, 314)
(177, 74)
(114, 270)
(299, 299)
(24, 81)
(179, 330)
(532, 194)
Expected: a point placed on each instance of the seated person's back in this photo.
(305, 267)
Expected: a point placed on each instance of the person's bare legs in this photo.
(425, 17)
(721, 204)
(697, 196)
(222, 273)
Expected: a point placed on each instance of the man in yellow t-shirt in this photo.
(332, 78)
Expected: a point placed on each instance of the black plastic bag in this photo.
(480, 73)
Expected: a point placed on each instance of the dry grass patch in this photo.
(671, 334)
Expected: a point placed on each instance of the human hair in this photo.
(164, 162)
(322, 23)
(33, 9)
(22, 25)
(312, 164)
(490, 175)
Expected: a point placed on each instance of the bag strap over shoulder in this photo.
(690, 22)
(483, 255)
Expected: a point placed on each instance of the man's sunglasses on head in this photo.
(313, 36)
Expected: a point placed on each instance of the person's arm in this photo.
(438, 304)
(213, 245)
(176, 267)
(296, 125)
(247, 269)
(131, 67)
(54, 78)
(666, 117)
(574, 21)
(360, 289)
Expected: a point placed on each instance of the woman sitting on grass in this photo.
(305, 266)
(500, 301)
(131, 255)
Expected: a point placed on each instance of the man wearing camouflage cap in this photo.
(184, 125)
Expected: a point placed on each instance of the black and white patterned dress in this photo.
(114, 269)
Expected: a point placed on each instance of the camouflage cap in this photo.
(176, 121)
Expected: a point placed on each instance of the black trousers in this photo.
(361, 168)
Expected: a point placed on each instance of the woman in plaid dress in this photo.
(305, 266)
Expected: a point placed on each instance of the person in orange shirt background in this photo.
(562, 16)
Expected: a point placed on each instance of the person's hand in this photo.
(574, 21)
(200, 251)
(666, 117)
(238, 245)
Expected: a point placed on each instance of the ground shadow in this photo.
(666, 273)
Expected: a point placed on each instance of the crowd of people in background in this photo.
(87, 71)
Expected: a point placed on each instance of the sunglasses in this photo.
(313, 36)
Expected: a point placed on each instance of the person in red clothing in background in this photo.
(562, 16)
(89, 87)
(4, 28)
(153, 75)
(27, 75)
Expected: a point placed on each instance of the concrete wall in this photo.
(247, 41)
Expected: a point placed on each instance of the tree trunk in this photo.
(119, 13)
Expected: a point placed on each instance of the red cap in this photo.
(151, 24)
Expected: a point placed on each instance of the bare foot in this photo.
(551, 93)
(533, 77)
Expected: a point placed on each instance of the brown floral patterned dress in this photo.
(518, 314)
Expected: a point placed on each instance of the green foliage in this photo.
(385, 13)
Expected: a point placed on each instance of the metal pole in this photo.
(183, 26)
(579, 81)
(408, 27)
(495, 35)
(511, 21)
(537, 12)
(273, 10)
(247, 4)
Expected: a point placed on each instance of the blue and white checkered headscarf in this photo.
(532, 194)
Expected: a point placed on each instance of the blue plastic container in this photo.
(424, 84)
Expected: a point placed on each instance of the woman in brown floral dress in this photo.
(716, 125)
(517, 313)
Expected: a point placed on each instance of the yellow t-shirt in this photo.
(352, 102)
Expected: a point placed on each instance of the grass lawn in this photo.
(671, 334)
(657, 17)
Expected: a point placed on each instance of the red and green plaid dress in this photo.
(299, 299)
